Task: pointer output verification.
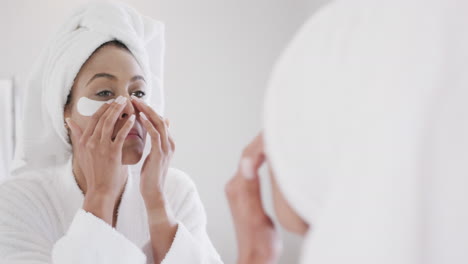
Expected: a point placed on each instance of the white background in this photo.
(219, 56)
(6, 119)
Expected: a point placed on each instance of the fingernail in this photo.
(138, 99)
(120, 99)
(143, 116)
(110, 101)
(132, 118)
(246, 168)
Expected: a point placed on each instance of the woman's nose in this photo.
(128, 109)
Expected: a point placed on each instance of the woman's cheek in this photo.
(82, 121)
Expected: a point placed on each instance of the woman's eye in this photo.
(104, 93)
(139, 94)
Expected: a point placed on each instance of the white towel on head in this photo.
(43, 141)
(366, 129)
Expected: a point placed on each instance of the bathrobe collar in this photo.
(131, 215)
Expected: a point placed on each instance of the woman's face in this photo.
(111, 72)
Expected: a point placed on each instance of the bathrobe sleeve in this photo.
(91, 240)
(191, 243)
(32, 228)
(31, 231)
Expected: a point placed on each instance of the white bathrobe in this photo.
(42, 222)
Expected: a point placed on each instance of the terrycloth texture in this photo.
(54, 72)
(42, 222)
(366, 129)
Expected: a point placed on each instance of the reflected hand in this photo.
(257, 239)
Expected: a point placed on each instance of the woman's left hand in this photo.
(156, 164)
(162, 224)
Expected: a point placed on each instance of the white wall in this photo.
(7, 131)
(219, 55)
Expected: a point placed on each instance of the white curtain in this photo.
(7, 126)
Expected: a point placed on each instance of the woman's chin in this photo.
(131, 159)
(131, 155)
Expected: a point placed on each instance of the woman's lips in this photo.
(133, 134)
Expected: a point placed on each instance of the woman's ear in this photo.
(66, 112)
(68, 105)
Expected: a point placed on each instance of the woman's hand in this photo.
(156, 164)
(257, 239)
(100, 157)
(162, 224)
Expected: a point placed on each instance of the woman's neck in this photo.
(81, 179)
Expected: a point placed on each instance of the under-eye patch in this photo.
(88, 107)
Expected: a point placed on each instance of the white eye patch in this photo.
(87, 107)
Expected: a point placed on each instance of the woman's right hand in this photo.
(100, 157)
(257, 239)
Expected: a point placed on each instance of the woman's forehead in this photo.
(110, 61)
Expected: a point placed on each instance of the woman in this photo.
(365, 132)
(75, 196)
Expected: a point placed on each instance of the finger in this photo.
(247, 169)
(122, 135)
(253, 158)
(75, 130)
(172, 143)
(152, 131)
(105, 126)
(248, 183)
(155, 119)
(95, 119)
(169, 137)
(252, 187)
(151, 115)
(245, 197)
